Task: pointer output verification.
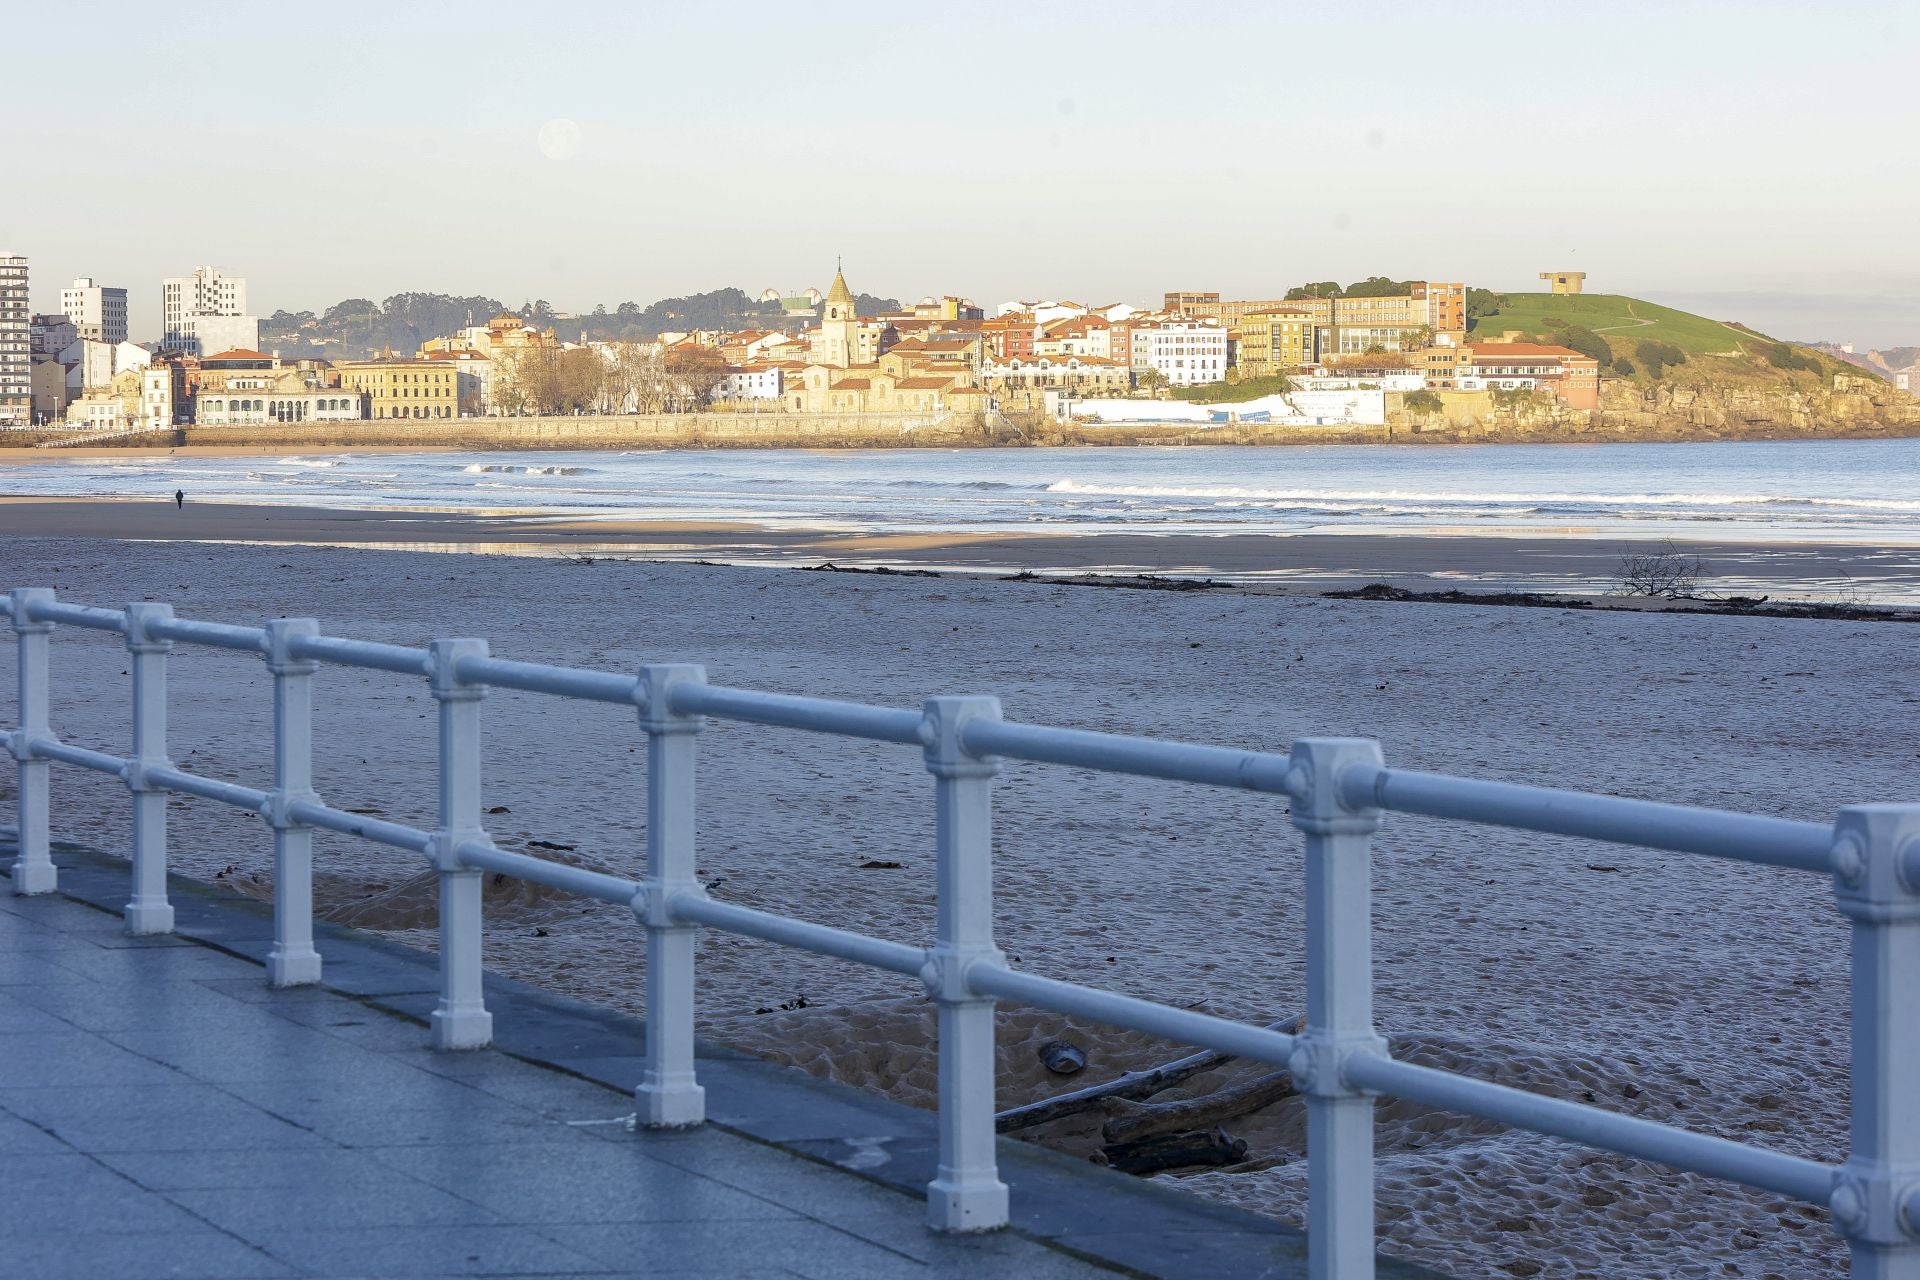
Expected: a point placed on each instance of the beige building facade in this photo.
(421, 389)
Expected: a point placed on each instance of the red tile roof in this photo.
(1520, 350)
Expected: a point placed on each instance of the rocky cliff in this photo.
(1696, 404)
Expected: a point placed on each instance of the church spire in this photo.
(840, 293)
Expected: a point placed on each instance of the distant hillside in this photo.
(1634, 338)
(1618, 319)
(360, 327)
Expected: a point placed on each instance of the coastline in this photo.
(1292, 563)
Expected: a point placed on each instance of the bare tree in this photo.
(1668, 573)
(634, 380)
(693, 374)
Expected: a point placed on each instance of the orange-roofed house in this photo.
(1513, 366)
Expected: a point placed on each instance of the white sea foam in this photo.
(1224, 493)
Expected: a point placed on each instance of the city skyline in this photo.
(640, 155)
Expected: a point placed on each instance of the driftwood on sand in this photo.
(1175, 1151)
(1132, 1121)
(1133, 1085)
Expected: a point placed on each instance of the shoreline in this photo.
(1835, 573)
(534, 435)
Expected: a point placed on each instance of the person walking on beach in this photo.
(179, 499)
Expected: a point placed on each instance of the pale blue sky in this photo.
(1757, 160)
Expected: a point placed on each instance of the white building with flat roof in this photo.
(16, 343)
(97, 311)
(1187, 352)
(193, 307)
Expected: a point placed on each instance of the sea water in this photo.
(1811, 491)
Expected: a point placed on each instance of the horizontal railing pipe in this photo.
(818, 938)
(354, 824)
(208, 788)
(555, 875)
(820, 715)
(360, 653)
(1182, 1026)
(1743, 837)
(1775, 1171)
(216, 634)
(536, 677)
(99, 761)
(77, 615)
(1119, 753)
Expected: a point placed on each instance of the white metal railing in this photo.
(1338, 790)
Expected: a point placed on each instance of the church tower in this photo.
(839, 326)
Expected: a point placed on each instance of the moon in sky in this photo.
(559, 138)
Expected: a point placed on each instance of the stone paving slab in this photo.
(166, 1113)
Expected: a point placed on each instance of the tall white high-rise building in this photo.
(97, 311)
(16, 342)
(205, 293)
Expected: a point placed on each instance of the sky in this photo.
(1754, 161)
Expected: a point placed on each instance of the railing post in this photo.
(1340, 1234)
(966, 1193)
(148, 911)
(669, 1096)
(292, 962)
(1876, 1195)
(461, 1021)
(33, 869)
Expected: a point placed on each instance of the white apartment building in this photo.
(156, 397)
(749, 382)
(97, 311)
(50, 335)
(93, 365)
(214, 334)
(16, 343)
(194, 306)
(1188, 352)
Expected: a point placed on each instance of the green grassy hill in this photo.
(1618, 319)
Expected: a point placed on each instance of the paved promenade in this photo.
(164, 1113)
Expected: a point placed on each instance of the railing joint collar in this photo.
(141, 615)
(945, 971)
(1319, 1062)
(657, 904)
(1320, 779)
(654, 691)
(1872, 1205)
(20, 606)
(279, 655)
(1876, 863)
(943, 728)
(138, 770)
(443, 849)
(24, 744)
(277, 809)
(443, 673)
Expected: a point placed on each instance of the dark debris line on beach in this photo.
(1742, 606)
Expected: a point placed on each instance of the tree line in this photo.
(630, 377)
(356, 327)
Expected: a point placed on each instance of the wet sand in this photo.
(1555, 560)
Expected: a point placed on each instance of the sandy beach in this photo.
(1681, 989)
(1295, 562)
